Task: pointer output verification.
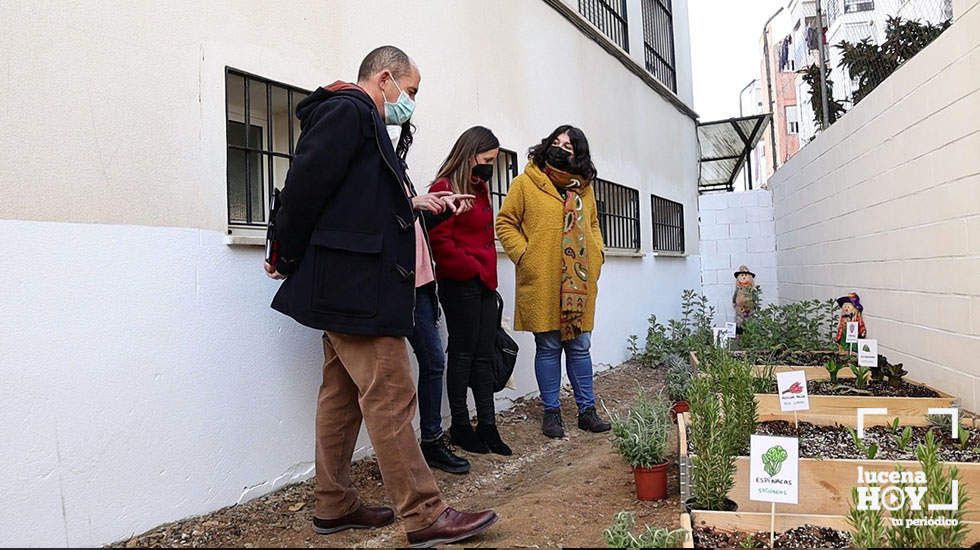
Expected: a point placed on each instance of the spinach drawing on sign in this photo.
(773, 460)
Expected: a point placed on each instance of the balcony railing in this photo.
(610, 18)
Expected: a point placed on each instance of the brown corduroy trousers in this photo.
(369, 377)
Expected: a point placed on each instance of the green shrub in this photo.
(691, 332)
(678, 377)
(620, 534)
(799, 326)
(641, 436)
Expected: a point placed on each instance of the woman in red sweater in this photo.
(466, 271)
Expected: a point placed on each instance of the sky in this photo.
(725, 51)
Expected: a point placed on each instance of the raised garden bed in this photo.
(731, 529)
(825, 483)
(842, 409)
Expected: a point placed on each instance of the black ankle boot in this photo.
(491, 437)
(463, 436)
(589, 421)
(552, 425)
(438, 455)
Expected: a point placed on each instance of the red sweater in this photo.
(463, 245)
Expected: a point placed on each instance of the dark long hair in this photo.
(581, 162)
(456, 167)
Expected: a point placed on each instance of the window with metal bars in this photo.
(658, 41)
(619, 214)
(504, 172)
(261, 134)
(853, 6)
(668, 224)
(610, 18)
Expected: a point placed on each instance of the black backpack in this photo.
(504, 351)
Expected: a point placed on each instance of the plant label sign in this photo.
(867, 353)
(731, 329)
(774, 472)
(852, 332)
(793, 395)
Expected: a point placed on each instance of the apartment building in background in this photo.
(145, 378)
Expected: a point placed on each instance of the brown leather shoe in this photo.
(452, 526)
(365, 517)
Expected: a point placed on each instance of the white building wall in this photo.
(145, 378)
(736, 229)
(887, 203)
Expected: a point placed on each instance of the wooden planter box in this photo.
(751, 522)
(825, 484)
(842, 409)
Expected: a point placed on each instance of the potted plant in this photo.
(641, 437)
(678, 380)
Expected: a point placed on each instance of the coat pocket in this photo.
(347, 275)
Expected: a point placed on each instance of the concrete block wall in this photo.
(887, 203)
(736, 229)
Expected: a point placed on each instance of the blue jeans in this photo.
(432, 362)
(578, 364)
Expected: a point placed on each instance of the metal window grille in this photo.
(668, 224)
(610, 18)
(504, 172)
(852, 6)
(619, 214)
(261, 134)
(658, 41)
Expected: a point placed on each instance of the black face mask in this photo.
(483, 172)
(558, 158)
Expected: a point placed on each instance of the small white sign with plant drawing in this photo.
(731, 329)
(793, 394)
(852, 332)
(867, 353)
(774, 474)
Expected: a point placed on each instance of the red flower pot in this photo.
(651, 483)
(678, 408)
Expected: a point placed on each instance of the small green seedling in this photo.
(894, 374)
(894, 425)
(748, 542)
(833, 368)
(964, 438)
(906, 438)
(870, 450)
(860, 376)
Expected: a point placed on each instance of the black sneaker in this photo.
(589, 421)
(463, 436)
(438, 455)
(552, 425)
(488, 434)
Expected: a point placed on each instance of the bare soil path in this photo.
(551, 493)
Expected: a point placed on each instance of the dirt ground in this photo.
(550, 493)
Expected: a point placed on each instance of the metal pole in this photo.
(772, 96)
(825, 119)
(741, 96)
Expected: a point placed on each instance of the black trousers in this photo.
(471, 319)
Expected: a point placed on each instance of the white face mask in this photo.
(394, 132)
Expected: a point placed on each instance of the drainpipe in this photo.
(741, 95)
(772, 96)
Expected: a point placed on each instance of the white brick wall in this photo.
(736, 229)
(887, 203)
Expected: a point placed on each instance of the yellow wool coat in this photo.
(529, 227)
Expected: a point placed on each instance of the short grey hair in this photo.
(385, 57)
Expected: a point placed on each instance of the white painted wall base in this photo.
(146, 379)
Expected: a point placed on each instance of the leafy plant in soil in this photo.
(620, 534)
(870, 529)
(892, 373)
(861, 377)
(764, 381)
(833, 369)
(691, 332)
(641, 436)
(869, 450)
(867, 528)
(713, 472)
(777, 330)
(678, 377)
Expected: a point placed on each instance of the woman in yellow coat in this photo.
(550, 229)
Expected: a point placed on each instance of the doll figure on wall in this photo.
(745, 299)
(851, 311)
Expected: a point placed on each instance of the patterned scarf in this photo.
(574, 266)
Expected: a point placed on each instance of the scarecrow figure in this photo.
(745, 297)
(851, 312)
